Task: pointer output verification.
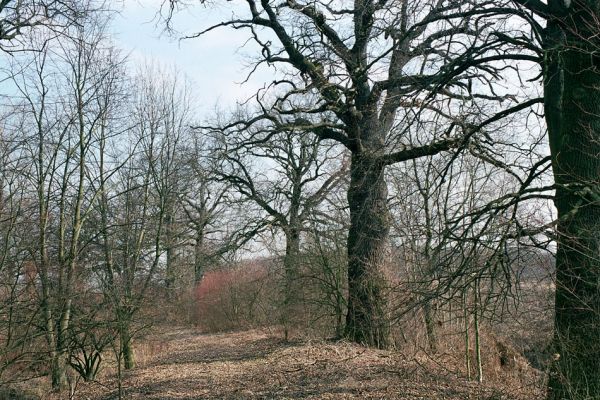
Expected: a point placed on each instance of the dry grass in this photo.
(186, 365)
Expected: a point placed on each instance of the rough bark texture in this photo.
(572, 102)
(366, 320)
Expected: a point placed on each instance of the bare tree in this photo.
(21, 18)
(18, 305)
(286, 178)
(568, 43)
(354, 73)
(325, 256)
(570, 80)
(60, 100)
(206, 202)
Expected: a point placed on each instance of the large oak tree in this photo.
(372, 75)
(565, 34)
(571, 86)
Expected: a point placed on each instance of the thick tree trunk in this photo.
(127, 351)
(366, 319)
(58, 371)
(572, 102)
(128, 355)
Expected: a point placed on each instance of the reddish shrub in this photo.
(233, 298)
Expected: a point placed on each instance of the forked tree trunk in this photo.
(367, 320)
(572, 102)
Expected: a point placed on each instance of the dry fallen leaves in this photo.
(257, 365)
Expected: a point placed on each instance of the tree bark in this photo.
(572, 106)
(429, 316)
(58, 371)
(127, 347)
(290, 264)
(366, 318)
(170, 272)
(199, 256)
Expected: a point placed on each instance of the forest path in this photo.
(182, 364)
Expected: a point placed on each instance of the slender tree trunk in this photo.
(60, 361)
(171, 253)
(57, 368)
(429, 316)
(290, 264)
(467, 340)
(339, 300)
(366, 319)
(428, 304)
(199, 256)
(572, 102)
(477, 333)
(58, 375)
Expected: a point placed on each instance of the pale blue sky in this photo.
(215, 63)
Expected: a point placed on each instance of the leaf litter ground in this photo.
(183, 364)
